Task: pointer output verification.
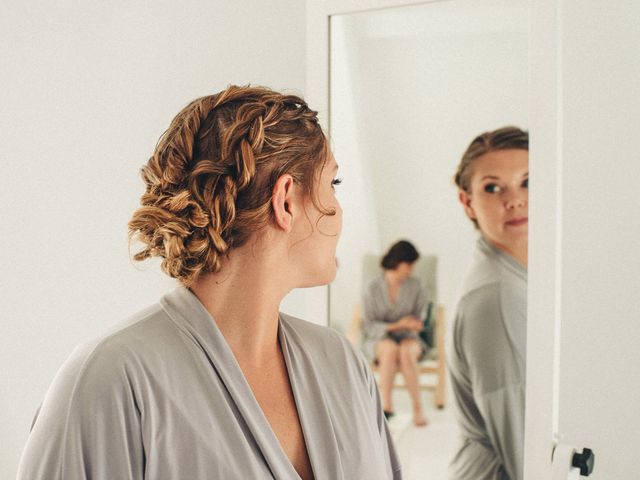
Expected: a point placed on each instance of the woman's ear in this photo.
(282, 201)
(465, 200)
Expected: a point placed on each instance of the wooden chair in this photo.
(435, 363)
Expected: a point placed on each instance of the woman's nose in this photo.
(515, 199)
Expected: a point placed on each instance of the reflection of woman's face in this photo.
(499, 198)
(404, 270)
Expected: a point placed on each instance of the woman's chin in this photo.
(320, 278)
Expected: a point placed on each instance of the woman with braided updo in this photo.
(214, 382)
(487, 352)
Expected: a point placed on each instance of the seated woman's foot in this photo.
(419, 420)
(388, 414)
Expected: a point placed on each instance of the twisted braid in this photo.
(210, 178)
(504, 138)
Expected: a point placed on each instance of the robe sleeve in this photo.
(420, 302)
(375, 328)
(88, 426)
(489, 389)
(505, 410)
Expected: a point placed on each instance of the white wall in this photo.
(410, 88)
(87, 88)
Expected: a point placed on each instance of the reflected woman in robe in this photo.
(212, 381)
(394, 305)
(487, 356)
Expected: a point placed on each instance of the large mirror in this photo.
(409, 88)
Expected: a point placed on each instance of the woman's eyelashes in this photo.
(495, 188)
(492, 188)
(335, 182)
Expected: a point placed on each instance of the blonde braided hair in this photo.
(210, 179)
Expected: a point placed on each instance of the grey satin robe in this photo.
(378, 311)
(163, 397)
(487, 366)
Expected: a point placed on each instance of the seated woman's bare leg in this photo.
(387, 355)
(410, 351)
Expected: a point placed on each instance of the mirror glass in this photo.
(410, 87)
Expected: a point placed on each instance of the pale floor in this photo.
(424, 452)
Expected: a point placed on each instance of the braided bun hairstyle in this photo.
(210, 179)
(505, 138)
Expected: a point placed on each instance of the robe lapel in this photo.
(187, 311)
(313, 409)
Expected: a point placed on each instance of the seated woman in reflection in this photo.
(212, 381)
(394, 305)
(487, 357)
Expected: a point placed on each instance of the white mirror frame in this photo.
(544, 200)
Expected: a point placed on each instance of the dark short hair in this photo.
(401, 251)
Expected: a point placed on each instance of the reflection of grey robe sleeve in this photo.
(487, 367)
(374, 312)
(488, 392)
(420, 305)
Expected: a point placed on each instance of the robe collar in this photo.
(307, 386)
